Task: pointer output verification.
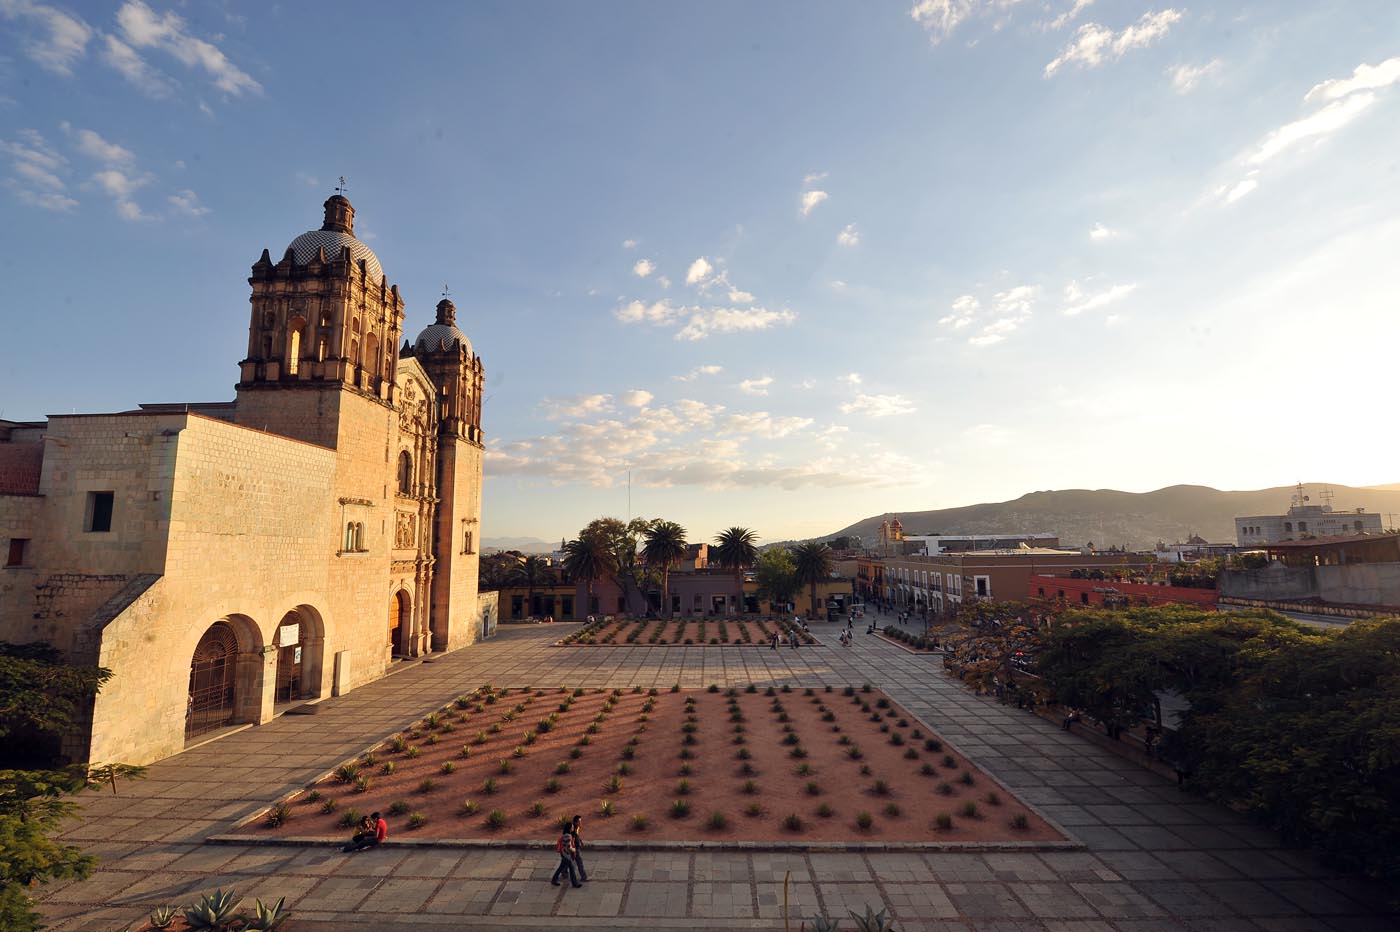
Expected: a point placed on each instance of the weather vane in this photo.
(446, 292)
(342, 187)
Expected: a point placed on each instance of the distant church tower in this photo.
(446, 355)
(891, 536)
(324, 320)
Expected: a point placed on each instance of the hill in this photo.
(1136, 520)
(523, 544)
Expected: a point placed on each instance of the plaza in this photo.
(1153, 858)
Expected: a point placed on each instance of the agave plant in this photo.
(823, 924)
(162, 917)
(873, 921)
(216, 912)
(266, 918)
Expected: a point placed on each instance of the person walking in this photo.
(565, 848)
(574, 825)
(773, 641)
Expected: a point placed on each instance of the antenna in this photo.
(342, 188)
(446, 292)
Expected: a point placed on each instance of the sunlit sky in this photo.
(791, 264)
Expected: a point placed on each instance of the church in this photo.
(231, 561)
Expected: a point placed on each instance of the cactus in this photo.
(162, 917)
(216, 912)
(873, 921)
(266, 918)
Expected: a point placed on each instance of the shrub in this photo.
(496, 819)
(792, 822)
(848, 691)
(747, 769)
(369, 760)
(465, 752)
(479, 738)
(412, 752)
(398, 807)
(813, 788)
(791, 738)
(880, 788)
(346, 773)
(828, 716)
(350, 818)
(897, 739)
(1020, 823)
(362, 784)
(864, 821)
(313, 796)
(447, 767)
(717, 821)
(933, 745)
(613, 784)
(944, 788)
(787, 688)
(770, 691)
(683, 788)
(743, 754)
(639, 823)
(575, 753)
(751, 688)
(993, 798)
(433, 720)
(529, 737)
(865, 770)
(753, 810)
(949, 761)
(398, 744)
(825, 811)
(278, 815)
(489, 787)
(854, 753)
(798, 752)
(686, 754)
(943, 822)
(969, 810)
(684, 770)
(713, 688)
(417, 820)
(467, 808)
(427, 785)
(866, 687)
(504, 765)
(462, 702)
(928, 769)
(680, 808)
(803, 770)
(624, 769)
(892, 810)
(562, 767)
(606, 809)
(966, 779)
(844, 740)
(675, 687)
(329, 806)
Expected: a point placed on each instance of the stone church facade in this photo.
(231, 561)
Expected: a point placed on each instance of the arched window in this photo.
(405, 473)
(350, 536)
(355, 353)
(372, 355)
(293, 351)
(359, 537)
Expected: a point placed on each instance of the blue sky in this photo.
(791, 264)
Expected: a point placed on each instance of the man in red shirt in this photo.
(372, 835)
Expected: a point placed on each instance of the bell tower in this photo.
(323, 318)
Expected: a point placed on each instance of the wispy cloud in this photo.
(636, 398)
(852, 378)
(1186, 77)
(810, 200)
(1078, 301)
(142, 28)
(1070, 14)
(629, 244)
(700, 272)
(879, 405)
(37, 171)
(697, 372)
(56, 40)
(991, 323)
(1363, 78)
(1094, 45)
(92, 145)
(698, 322)
(1336, 115)
(127, 62)
(576, 406)
(848, 236)
(187, 202)
(1100, 233)
(643, 267)
(940, 17)
(758, 386)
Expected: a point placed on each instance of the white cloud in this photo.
(699, 272)
(577, 406)
(1071, 14)
(813, 177)
(761, 422)
(848, 236)
(90, 144)
(705, 321)
(698, 371)
(40, 176)
(311, 181)
(807, 384)
(61, 38)
(118, 183)
(852, 378)
(60, 203)
(1186, 77)
(1101, 232)
(1004, 314)
(636, 398)
(810, 200)
(837, 284)
(629, 244)
(129, 64)
(1324, 122)
(1363, 78)
(643, 267)
(736, 296)
(757, 386)
(1077, 301)
(1093, 45)
(37, 169)
(187, 203)
(130, 210)
(1239, 190)
(663, 281)
(142, 28)
(658, 312)
(940, 17)
(878, 405)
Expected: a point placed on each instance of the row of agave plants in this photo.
(685, 631)
(220, 911)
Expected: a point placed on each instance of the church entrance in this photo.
(289, 659)
(212, 675)
(400, 617)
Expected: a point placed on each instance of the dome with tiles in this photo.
(335, 234)
(442, 335)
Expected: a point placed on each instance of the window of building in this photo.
(99, 511)
(984, 586)
(18, 546)
(293, 350)
(405, 473)
(567, 607)
(1358, 526)
(359, 537)
(1288, 526)
(349, 536)
(1084, 597)
(1302, 527)
(467, 542)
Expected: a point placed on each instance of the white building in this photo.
(1305, 520)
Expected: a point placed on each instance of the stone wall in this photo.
(455, 573)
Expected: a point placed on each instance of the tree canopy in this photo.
(776, 574)
(813, 564)
(663, 546)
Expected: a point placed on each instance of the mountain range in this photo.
(1136, 520)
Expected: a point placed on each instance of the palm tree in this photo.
(589, 558)
(813, 560)
(736, 551)
(531, 573)
(664, 547)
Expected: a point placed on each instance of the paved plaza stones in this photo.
(1155, 859)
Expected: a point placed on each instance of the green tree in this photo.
(813, 562)
(736, 549)
(40, 697)
(663, 546)
(590, 558)
(776, 575)
(621, 540)
(532, 573)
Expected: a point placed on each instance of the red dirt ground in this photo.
(679, 631)
(715, 781)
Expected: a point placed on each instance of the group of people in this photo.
(371, 831)
(570, 850)
(775, 638)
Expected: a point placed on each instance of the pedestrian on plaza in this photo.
(792, 638)
(773, 641)
(574, 825)
(564, 847)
